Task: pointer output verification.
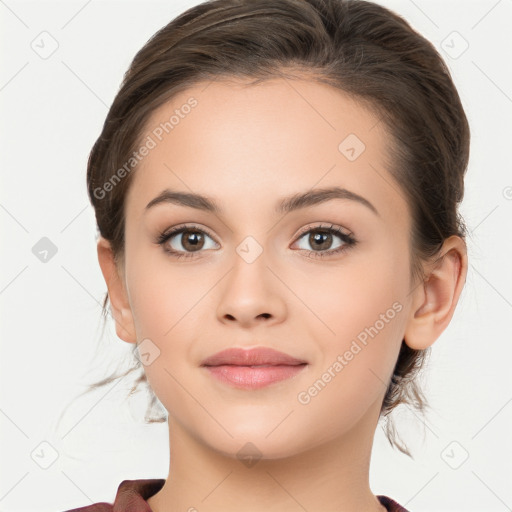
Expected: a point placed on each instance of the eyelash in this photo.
(347, 238)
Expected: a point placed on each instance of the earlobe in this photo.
(435, 300)
(120, 305)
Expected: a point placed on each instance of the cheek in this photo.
(162, 293)
(362, 306)
(354, 297)
(362, 310)
(162, 302)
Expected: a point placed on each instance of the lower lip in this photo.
(246, 377)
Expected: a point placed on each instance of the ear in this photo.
(434, 300)
(120, 306)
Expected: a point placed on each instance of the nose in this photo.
(251, 294)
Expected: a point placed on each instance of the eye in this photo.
(321, 239)
(184, 241)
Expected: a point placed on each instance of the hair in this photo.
(364, 50)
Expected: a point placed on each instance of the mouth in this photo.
(259, 356)
(251, 377)
(253, 368)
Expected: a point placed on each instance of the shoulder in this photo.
(390, 504)
(95, 507)
(130, 494)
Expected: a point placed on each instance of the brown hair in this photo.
(359, 47)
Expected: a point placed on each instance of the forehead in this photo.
(254, 143)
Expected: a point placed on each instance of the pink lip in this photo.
(250, 357)
(235, 366)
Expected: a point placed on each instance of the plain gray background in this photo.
(52, 110)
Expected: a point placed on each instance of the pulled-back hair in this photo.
(358, 47)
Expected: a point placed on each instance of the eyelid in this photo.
(348, 238)
(174, 230)
(308, 228)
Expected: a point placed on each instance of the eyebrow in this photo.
(285, 205)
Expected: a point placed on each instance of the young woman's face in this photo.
(254, 275)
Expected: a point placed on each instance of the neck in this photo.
(333, 475)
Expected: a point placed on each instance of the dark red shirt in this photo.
(132, 495)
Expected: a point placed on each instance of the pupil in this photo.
(193, 238)
(320, 238)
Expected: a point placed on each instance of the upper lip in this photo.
(251, 357)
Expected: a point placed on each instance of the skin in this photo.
(247, 147)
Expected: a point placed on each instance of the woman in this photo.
(276, 189)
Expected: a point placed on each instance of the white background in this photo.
(52, 111)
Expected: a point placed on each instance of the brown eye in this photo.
(321, 240)
(184, 241)
(192, 240)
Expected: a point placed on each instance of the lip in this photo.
(254, 368)
(251, 357)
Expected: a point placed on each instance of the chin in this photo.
(251, 445)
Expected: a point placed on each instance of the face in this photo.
(326, 282)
